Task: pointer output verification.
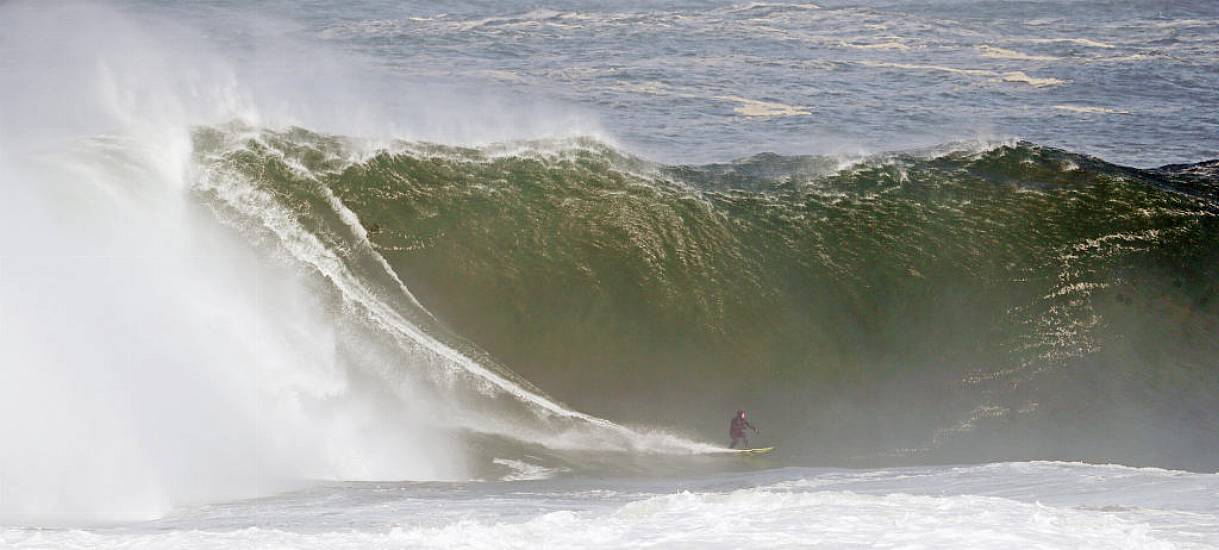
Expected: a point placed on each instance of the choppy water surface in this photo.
(1134, 83)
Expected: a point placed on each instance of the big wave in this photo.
(969, 302)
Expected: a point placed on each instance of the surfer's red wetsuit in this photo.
(736, 430)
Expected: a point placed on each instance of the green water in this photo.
(1003, 303)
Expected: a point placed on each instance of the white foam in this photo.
(764, 109)
(891, 45)
(1022, 78)
(761, 517)
(936, 68)
(764, 5)
(526, 471)
(1131, 58)
(1077, 41)
(651, 88)
(1002, 53)
(1091, 109)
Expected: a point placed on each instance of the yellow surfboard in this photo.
(755, 452)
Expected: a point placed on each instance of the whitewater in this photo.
(1003, 505)
(414, 276)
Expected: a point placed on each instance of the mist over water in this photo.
(160, 350)
(153, 358)
(253, 250)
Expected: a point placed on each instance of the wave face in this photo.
(969, 303)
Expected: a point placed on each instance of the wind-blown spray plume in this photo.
(153, 356)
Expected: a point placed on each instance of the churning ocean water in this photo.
(496, 274)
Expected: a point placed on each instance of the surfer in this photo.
(737, 430)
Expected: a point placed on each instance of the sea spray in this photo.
(153, 356)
